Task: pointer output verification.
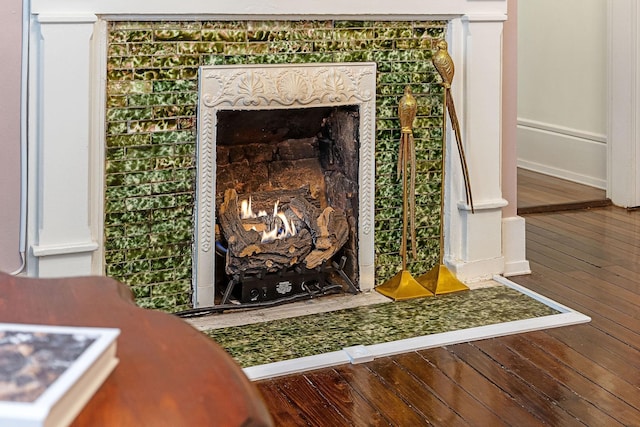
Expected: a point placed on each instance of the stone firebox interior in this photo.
(150, 154)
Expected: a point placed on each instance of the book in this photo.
(49, 373)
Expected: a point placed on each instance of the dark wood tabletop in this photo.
(169, 373)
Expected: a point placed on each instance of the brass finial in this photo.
(444, 64)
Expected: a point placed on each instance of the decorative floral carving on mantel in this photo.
(301, 85)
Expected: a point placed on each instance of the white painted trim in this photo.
(564, 153)
(59, 89)
(478, 270)
(566, 317)
(514, 246)
(562, 130)
(623, 159)
(362, 9)
(98, 143)
(63, 248)
(562, 173)
(473, 245)
(483, 205)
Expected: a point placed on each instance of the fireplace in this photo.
(81, 153)
(298, 135)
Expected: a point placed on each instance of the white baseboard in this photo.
(561, 152)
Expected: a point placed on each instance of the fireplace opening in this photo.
(299, 136)
(286, 194)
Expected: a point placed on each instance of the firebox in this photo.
(285, 181)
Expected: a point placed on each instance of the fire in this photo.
(278, 224)
(247, 213)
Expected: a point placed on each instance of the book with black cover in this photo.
(49, 373)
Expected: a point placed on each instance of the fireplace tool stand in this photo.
(439, 279)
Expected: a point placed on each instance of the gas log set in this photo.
(281, 243)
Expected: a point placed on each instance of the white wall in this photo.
(562, 110)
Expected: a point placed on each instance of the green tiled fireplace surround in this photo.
(152, 97)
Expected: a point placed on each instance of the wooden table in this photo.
(169, 373)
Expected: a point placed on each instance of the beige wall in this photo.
(562, 88)
(10, 52)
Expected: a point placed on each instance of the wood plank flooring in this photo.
(543, 193)
(584, 375)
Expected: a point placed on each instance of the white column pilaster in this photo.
(59, 138)
(474, 249)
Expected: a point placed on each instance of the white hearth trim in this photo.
(365, 353)
(268, 87)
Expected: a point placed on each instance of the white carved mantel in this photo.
(67, 80)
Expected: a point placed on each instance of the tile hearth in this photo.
(267, 336)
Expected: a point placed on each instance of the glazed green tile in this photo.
(185, 200)
(295, 34)
(114, 207)
(161, 302)
(152, 48)
(119, 74)
(180, 225)
(148, 151)
(125, 243)
(129, 165)
(170, 187)
(116, 128)
(183, 301)
(146, 177)
(140, 292)
(176, 35)
(176, 236)
(152, 125)
(407, 44)
(172, 137)
(174, 86)
(145, 74)
(151, 253)
(183, 273)
(170, 214)
(169, 263)
(114, 232)
(114, 257)
(128, 87)
(173, 287)
(135, 217)
(113, 193)
(146, 303)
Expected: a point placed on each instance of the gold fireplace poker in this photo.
(403, 286)
(444, 64)
(407, 109)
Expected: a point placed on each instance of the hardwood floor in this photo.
(587, 374)
(543, 193)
